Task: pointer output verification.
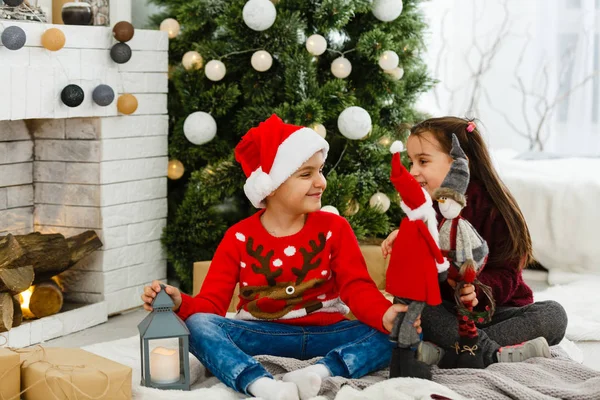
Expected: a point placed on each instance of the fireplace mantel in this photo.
(68, 170)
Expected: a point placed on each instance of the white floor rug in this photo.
(580, 300)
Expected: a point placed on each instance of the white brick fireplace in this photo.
(68, 170)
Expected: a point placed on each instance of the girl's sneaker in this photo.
(537, 347)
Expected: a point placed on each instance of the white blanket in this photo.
(126, 351)
(558, 198)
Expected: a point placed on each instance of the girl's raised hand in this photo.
(388, 243)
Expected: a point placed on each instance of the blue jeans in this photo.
(225, 346)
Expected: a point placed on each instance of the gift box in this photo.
(10, 376)
(69, 374)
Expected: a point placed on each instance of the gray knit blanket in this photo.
(538, 378)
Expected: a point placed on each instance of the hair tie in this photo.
(471, 126)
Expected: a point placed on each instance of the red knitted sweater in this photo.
(309, 278)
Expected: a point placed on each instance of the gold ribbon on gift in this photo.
(58, 367)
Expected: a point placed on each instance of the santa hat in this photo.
(272, 152)
(455, 183)
(416, 202)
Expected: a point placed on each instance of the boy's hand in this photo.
(467, 293)
(388, 243)
(151, 291)
(390, 316)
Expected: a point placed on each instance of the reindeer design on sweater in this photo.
(277, 299)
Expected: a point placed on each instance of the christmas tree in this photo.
(350, 69)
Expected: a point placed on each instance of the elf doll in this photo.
(467, 252)
(415, 263)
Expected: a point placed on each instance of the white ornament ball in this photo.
(354, 123)
(320, 129)
(341, 67)
(215, 70)
(171, 26)
(396, 73)
(380, 201)
(330, 209)
(259, 15)
(316, 45)
(387, 10)
(192, 60)
(261, 61)
(200, 127)
(389, 60)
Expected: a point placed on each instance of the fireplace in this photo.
(70, 170)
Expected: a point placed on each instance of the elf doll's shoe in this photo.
(469, 353)
(405, 365)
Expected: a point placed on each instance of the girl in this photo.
(495, 215)
(299, 270)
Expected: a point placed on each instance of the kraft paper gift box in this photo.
(10, 374)
(69, 374)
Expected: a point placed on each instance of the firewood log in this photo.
(7, 311)
(46, 299)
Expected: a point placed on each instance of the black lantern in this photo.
(164, 368)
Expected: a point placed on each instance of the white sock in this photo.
(308, 380)
(270, 389)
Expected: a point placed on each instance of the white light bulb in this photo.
(261, 61)
(171, 26)
(215, 70)
(396, 73)
(316, 45)
(389, 60)
(341, 67)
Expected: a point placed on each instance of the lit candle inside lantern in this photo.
(164, 365)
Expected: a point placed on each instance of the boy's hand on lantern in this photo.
(151, 291)
(390, 316)
(388, 243)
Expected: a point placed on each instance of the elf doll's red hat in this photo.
(416, 202)
(271, 152)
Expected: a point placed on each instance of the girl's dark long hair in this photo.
(518, 247)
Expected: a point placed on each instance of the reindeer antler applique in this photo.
(265, 262)
(278, 298)
(308, 265)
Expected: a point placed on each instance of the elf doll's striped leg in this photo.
(469, 353)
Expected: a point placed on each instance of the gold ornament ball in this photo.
(53, 39)
(320, 129)
(352, 208)
(171, 26)
(192, 60)
(176, 169)
(127, 104)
